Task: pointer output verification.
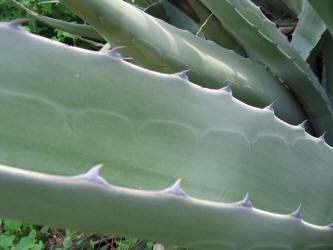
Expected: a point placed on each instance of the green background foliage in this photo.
(10, 11)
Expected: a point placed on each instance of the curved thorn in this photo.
(15, 24)
(94, 171)
(270, 107)
(302, 125)
(322, 137)
(92, 175)
(114, 51)
(245, 202)
(298, 213)
(227, 88)
(175, 189)
(183, 74)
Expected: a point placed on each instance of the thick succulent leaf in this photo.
(62, 116)
(328, 65)
(308, 31)
(213, 29)
(142, 3)
(321, 62)
(324, 9)
(162, 47)
(295, 5)
(262, 40)
(278, 11)
(161, 215)
(74, 28)
(157, 10)
(179, 19)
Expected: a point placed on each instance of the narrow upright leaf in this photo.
(308, 32)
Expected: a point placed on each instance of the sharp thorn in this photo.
(95, 170)
(298, 213)
(92, 175)
(322, 137)
(115, 51)
(270, 106)
(183, 74)
(227, 88)
(302, 125)
(175, 189)
(15, 24)
(245, 202)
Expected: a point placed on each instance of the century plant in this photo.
(216, 106)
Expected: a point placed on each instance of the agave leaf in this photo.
(179, 19)
(261, 39)
(167, 217)
(278, 11)
(213, 29)
(295, 5)
(74, 28)
(328, 65)
(321, 55)
(308, 31)
(324, 9)
(157, 10)
(62, 116)
(142, 3)
(162, 47)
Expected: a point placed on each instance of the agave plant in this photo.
(195, 110)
